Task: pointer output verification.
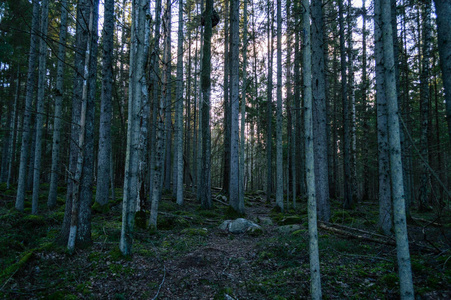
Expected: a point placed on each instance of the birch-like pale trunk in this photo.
(178, 170)
(396, 171)
(51, 201)
(315, 278)
(279, 153)
(103, 158)
(27, 126)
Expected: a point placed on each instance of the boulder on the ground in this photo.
(239, 225)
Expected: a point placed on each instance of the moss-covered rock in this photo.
(195, 231)
(290, 220)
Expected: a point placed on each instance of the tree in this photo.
(315, 278)
(137, 91)
(243, 104)
(179, 111)
(346, 121)
(443, 11)
(104, 153)
(80, 220)
(396, 171)
(385, 198)
(279, 154)
(205, 149)
(234, 188)
(319, 113)
(51, 202)
(20, 198)
(269, 112)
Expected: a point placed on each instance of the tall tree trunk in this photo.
(234, 188)
(51, 201)
(346, 126)
(385, 203)
(396, 171)
(424, 104)
(320, 113)
(365, 127)
(315, 280)
(158, 168)
(27, 125)
(179, 111)
(269, 112)
(227, 120)
(168, 104)
(81, 36)
(243, 105)
(103, 158)
(279, 153)
(443, 11)
(80, 225)
(205, 179)
(137, 91)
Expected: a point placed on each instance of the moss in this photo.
(232, 214)
(299, 232)
(390, 280)
(195, 231)
(98, 208)
(290, 220)
(12, 269)
(255, 231)
(341, 216)
(116, 255)
(34, 220)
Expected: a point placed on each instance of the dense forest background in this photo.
(165, 115)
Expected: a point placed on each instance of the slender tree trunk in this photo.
(269, 112)
(243, 105)
(137, 91)
(279, 153)
(346, 126)
(80, 226)
(103, 159)
(168, 104)
(158, 169)
(179, 111)
(227, 120)
(205, 179)
(385, 203)
(443, 11)
(397, 184)
(51, 201)
(424, 104)
(27, 125)
(315, 278)
(234, 188)
(364, 88)
(319, 113)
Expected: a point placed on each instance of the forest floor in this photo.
(191, 258)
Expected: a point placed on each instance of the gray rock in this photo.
(288, 228)
(239, 225)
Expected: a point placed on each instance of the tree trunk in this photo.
(385, 203)
(279, 153)
(269, 107)
(205, 178)
(179, 111)
(443, 11)
(103, 160)
(315, 278)
(346, 126)
(227, 120)
(319, 113)
(137, 91)
(397, 184)
(27, 125)
(51, 201)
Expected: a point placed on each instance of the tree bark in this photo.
(27, 125)
(179, 111)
